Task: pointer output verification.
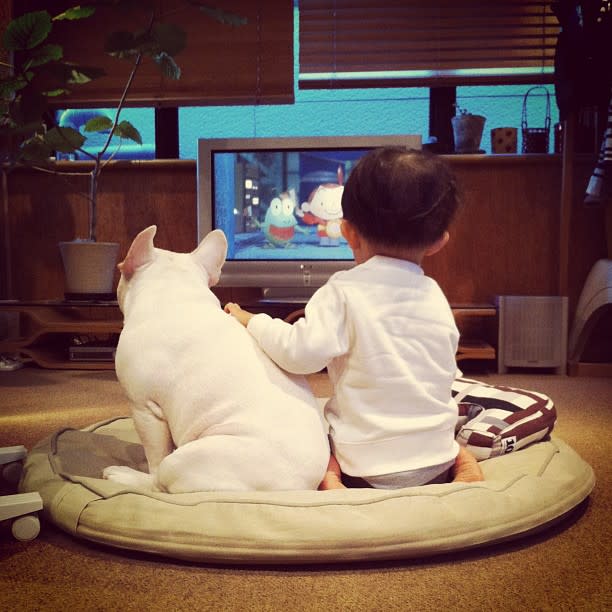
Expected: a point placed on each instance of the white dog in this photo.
(213, 412)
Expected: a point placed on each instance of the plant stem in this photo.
(93, 186)
(97, 169)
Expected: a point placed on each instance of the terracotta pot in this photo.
(89, 269)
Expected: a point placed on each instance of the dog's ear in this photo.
(140, 252)
(210, 254)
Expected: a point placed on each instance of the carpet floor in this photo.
(566, 567)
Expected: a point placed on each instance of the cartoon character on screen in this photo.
(324, 209)
(279, 224)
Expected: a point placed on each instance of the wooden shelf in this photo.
(474, 349)
(473, 321)
(48, 329)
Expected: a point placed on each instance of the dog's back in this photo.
(237, 421)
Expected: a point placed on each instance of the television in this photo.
(278, 202)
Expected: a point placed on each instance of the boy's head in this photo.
(400, 199)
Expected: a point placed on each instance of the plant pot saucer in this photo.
(90, 297)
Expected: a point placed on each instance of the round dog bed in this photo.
(523, 491)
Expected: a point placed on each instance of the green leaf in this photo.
(120, 43)
(164, 38)
(45, 54)
(61, 75)
(76, 12)
(26, 130)
(36, 150)
(100, 123)
(54, 77)
(78, 75)
(64, 139)
(58, 91)
(168, 66)
(125, 129)
(27, 31)
(30, 107)
(224, 16)
(170, 38)
(8, 87)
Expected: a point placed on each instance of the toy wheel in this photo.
(26, 528)
(11, 472)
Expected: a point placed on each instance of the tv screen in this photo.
(278, 201)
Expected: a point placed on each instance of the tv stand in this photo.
(287, 295)
(44, 328)
(44, 332)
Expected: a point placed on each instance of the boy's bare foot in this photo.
(466, 468)
(333, 476)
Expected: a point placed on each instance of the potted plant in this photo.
(30, 135)
(467, 131)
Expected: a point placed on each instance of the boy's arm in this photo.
(307, 345)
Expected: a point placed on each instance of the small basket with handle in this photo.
(535, 140)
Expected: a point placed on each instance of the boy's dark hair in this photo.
(400, 198)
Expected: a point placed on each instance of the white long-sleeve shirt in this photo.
(387, 335)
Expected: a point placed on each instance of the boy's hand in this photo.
(240, 315)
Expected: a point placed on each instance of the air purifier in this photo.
(532, 332)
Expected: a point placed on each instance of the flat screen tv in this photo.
(278, 202)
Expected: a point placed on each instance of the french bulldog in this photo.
(213, 412)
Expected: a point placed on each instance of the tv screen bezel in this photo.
(297, 278)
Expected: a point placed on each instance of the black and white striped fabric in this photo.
(495, 420)
(600, 184)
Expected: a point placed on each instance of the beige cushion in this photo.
(523, 491)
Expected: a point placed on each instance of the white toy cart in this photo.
(21, 507)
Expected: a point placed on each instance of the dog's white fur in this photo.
(213, 412)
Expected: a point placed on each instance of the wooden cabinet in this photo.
(48, 330)
(477, 324)
(82, 335)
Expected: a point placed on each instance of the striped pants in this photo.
(494, 419)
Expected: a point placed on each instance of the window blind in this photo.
(221, 64)
(374, 43)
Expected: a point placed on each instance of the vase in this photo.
(467, 132)
(89, 269)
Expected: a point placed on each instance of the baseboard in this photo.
(597, 370)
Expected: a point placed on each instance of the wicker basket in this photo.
(535, 140)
